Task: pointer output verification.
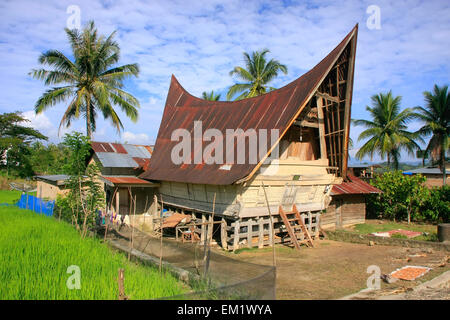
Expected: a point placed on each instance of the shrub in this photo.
(79, 206)
(406, 197)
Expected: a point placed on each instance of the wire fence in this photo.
(211, 276)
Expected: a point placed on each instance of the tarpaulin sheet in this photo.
(36, 204)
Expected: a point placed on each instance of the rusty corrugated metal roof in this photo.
(353, 185)
(118, 155)
(117, 180)
(274, 110)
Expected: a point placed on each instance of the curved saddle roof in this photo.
(276, 109)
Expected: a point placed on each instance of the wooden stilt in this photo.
(223, 234)
(261, 233)
(236, 235)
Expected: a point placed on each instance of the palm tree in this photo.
(89, 81)
(257, 74)
(387, 131)
(210, 96)
(436, 116)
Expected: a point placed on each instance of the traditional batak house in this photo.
(308, 121)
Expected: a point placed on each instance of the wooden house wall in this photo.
(344, 211)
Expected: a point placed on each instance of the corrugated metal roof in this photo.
(116, 155)
(424, 171)
(274, 110)
(126, 180)
(116, 160)
(54, 177)
(137, 151)
(353, 185)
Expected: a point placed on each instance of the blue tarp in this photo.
(36, 204)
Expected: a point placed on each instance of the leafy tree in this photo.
(48, 159)
(258, 72)
(85, 194)
(387, 131)
(436, 116)
(15, 140)
(211, 96)
(402, 196)
(90, 82)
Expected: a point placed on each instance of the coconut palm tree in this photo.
(211, 96)
(436, 116)
(258, 72)
(386, 131)
(90, 81)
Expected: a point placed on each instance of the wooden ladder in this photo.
(297, 226)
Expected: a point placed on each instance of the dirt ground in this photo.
(330, 270)
(333, 269)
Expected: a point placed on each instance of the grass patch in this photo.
(372, 226)
(9, 196)
(36, 251)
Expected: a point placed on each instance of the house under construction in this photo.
(312, 116)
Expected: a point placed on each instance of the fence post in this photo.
(120, 281)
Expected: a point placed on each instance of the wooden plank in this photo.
(309, 222)
(327, 96)
(289, 228)
(249, 233)
(348, 101)
(260, 232)
(302, 224)
(236, 236)
(323, 146)
(223, 234)
(203, 234)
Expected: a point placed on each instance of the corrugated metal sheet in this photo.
(118, 155)
(116, 160)
(353, 185)
(126, 180)
(424, 171)
(55, 177)
(136, 151)
(274, 110)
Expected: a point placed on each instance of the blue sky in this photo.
(201, 41)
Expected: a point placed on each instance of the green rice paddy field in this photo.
(35, 252)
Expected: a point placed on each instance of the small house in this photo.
(434, 175)
(120, 165)
(50, 186)
(348, 204)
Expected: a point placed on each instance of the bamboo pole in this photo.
(132, 227)
(209, 238)
(272, 225)
(161, 229)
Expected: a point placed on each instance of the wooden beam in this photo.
(323, 146)
(236, 236)
(308, 124)
(223, 234)
(327, 97)
(348, 100)
(117, 201)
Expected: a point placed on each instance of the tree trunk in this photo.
(444, 174)
(88, 118)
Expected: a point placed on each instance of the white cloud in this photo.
(201, 41)
(37, 121)
(136, 138)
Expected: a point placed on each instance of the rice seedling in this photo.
(36, 252)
